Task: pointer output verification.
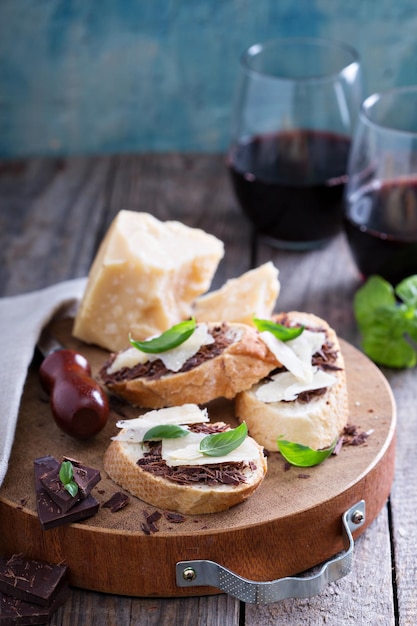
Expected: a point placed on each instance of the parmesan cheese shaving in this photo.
(284, 386)
(135, 429)
(173, 359)
(185, 451)
(297, 353)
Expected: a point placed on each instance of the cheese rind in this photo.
(144, 279)
(254, 293)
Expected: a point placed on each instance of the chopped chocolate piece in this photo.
(50, 515)
(153, 517)
(145, 528)
(14, 611)
(118, 501)
(43, 466)
(85, 477)
(56, 490)
(29, 580)
(175, 518)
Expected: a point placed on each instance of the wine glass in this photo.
(381, 195)
(296, 107)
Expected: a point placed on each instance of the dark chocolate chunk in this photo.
(50, 515)
(15, 611)
(30, 580)
(56, 490)
(43, 466)
(49, 512)
(175, 518)
(118, 501)
(86, 478)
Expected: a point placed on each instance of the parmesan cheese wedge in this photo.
(254, 293)
(144, 279)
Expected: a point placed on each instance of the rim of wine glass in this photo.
(331, 44)
(373, 98)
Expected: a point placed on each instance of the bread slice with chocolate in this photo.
(306, 400)
(172, 473)
(218, 360)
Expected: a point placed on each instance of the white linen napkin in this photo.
(22, 318)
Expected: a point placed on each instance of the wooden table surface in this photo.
(53, 215)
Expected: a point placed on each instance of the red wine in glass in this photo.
(381, 227)
(290, 184)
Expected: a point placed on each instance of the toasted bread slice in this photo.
(315, 418)
(234, 361)
(172, 474)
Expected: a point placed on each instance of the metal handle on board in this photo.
(208, 573)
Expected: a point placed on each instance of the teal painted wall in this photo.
(87, 76)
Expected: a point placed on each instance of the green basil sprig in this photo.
(303, 456)
(171, 338)
(284, 333)
(165, 431)
(220, 444)
(387, 320)
(66, 476)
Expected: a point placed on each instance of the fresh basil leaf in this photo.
(171, 338)
(66, 476)
(220, 444)
(303, 456)
(66, 472)
(165, 431)
(386, 345)
(388, 326)
(375, 293)
(72, 488)
(284, 333)
(407, 291)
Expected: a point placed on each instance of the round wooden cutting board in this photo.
(291, 523)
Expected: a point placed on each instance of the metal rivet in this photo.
(357, 517)
(189, 574)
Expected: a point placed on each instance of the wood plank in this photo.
(363, 597)
(97, 609)
(404, 494)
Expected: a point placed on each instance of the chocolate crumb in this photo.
(149, 526)
(153, 517)
(303, 475)
(175, 518)
(117, 502)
